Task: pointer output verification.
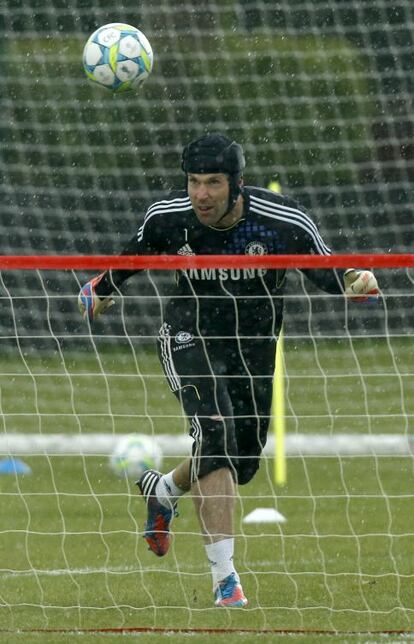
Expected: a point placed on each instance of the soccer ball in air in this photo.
(133, 454)
(118, 57)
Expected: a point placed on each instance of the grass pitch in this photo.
(71, 549)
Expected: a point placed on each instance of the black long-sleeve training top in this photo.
(237, 301)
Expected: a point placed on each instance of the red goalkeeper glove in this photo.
(360, 285)
(90, 305)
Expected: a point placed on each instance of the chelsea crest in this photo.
(256, 248)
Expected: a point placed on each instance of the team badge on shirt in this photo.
(183, 337)
(256, 248)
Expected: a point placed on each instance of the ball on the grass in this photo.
(134, 454)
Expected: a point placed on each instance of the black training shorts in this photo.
(225, 388)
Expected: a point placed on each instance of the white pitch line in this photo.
(63, 571)
(60, 572)
(173, 445)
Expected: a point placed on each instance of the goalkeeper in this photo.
(217, 339)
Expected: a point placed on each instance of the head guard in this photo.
(213, 153)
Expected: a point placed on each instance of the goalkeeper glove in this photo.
(90, 305)
(360, 285)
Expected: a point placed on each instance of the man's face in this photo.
(209, 195)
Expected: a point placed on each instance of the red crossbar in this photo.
(164, 262)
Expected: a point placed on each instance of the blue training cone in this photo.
(14, 466)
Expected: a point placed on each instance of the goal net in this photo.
(328, 550)
(319, 95)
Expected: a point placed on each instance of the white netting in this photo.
(319, 93)
(71, 534)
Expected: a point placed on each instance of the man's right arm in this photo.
(152, 238)
(95, 296)
(113, 280)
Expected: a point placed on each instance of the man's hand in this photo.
(360, 285)
(90, 305)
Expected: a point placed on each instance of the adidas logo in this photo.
(185, 250)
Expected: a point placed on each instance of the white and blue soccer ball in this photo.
(134, 454)
(118, 57)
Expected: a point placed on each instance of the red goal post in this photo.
(165, 262)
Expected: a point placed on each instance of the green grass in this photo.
(71, 551)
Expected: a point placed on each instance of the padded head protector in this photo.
(212, 153)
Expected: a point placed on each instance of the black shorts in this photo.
(225, 388)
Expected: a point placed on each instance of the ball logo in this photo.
(183, 337)
(256, 248)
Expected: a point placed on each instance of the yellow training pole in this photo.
(278, 398)
(278, 413)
